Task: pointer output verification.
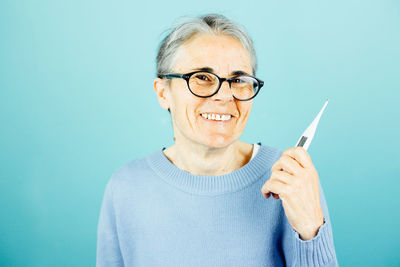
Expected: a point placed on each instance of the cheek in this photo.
(244, 109)
(186, 108)
(180, 98)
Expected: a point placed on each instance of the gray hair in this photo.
(212, 24)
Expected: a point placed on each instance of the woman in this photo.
(204, 201)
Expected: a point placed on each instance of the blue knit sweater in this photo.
(154, 214)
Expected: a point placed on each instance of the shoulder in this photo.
(130, 172)
(269, 147)
(271, 153)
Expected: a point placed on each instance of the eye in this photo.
(203, 77)
(238, 80)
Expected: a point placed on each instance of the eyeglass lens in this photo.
(205, 84)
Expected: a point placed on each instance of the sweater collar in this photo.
(214, 185)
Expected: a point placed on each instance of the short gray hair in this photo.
(210, 23)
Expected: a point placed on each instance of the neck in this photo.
(199, 159)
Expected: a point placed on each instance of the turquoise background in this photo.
(77, 102)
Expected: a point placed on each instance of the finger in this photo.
(300, 155)
(276, 196)
(287, 164)
(282, 176)
(273, 186)
(267, 195)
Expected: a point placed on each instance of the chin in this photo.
(218, 141)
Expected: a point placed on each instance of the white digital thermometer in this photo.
(305, 139)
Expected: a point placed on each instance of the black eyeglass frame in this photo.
(186, 76)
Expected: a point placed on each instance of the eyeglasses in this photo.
(206, 84)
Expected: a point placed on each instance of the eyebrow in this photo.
(233, 73)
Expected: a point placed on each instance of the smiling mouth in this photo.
(216, 116)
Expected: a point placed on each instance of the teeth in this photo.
(217, 117)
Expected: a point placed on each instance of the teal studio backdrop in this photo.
(77, 102)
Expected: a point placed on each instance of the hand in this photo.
(296, 181)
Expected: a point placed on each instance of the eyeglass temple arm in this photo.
(171, 75)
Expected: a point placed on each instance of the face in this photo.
(224, 56)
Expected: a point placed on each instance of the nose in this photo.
(224, 92)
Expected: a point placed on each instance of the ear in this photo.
(163, 93)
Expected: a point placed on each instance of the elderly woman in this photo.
(205, 200)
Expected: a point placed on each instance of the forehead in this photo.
(222, 53)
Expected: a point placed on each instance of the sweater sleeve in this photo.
(318, 251)
(108, 250)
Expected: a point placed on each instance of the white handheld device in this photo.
(305, 139)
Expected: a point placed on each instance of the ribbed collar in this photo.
(214, 185)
